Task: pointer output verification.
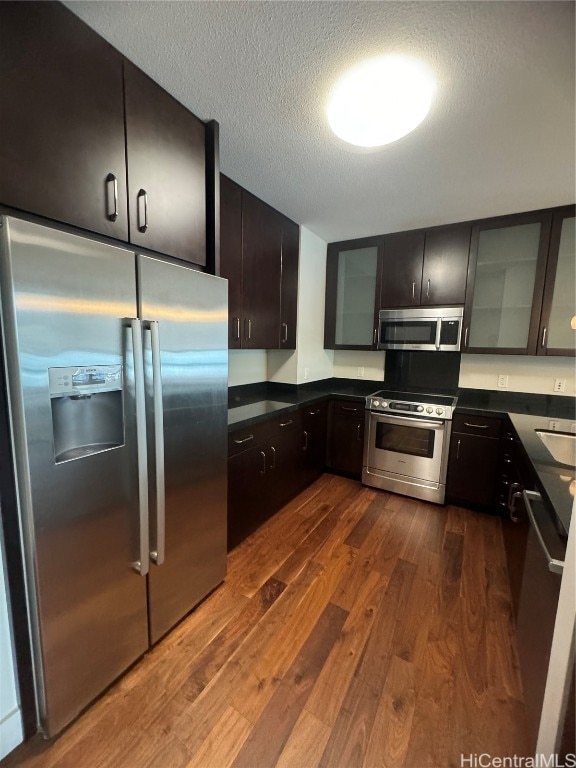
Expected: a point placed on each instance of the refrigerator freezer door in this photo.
(63, 300)
(191, 310)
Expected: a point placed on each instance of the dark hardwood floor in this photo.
(355, 628)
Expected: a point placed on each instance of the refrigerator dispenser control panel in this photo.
(84, 380)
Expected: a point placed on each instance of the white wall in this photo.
(347, 362)
(525, 374)
(10, 718)
(247, 366)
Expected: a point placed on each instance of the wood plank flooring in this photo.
(354, 629)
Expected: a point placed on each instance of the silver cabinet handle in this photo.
(273, 465)
(358, 428)
(458, 450)
(142, 202)
(141, 566)
(514, 494)
(375, 337)
(466, 337)
(556, 566)
(413, 290)
(285, 334)
(348, 408)
(245, 440)
(544, 332)
(428, 290)
(286, 423)
(314, 413)
(236, 321)
(305, 448)
(248, 329)
(112, 181)
(158, 553)
(477, 426)
(263, 470)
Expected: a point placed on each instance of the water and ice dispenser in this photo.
(87, 410)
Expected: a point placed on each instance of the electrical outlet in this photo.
(502, 380)
(559, 385)
(306, 373)
(360, 371)
(554, 425)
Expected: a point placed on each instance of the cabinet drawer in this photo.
(482, 426)
(352, 408)
(247, 437)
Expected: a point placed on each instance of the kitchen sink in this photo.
(561, 446)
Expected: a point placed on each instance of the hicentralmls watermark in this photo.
(485, 760)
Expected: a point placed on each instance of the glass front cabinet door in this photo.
(558, 324)
(352, 287)
(506, 283)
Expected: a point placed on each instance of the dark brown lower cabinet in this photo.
(265, 477)
(346, 437)
(474, 461)
(314, 423)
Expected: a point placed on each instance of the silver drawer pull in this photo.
(244, 440)
(286, 423)
(314, 413)
(476, 426)
(555, 566)
(347, 408)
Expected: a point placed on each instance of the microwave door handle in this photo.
(438, 331)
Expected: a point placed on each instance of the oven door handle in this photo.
(400, 420)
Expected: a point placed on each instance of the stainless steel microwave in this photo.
(430, 329)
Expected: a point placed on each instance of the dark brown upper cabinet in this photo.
(506, 275)
(403, 255)
(289, 283)
(425, 267)
(445, 265)
(353, 270)
(165, 148)
(259, 250)
(557, 334)
(62, 151)
(262, 271)
(231, 255)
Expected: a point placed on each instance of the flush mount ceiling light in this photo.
(380, 100)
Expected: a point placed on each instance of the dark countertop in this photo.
(527, 412)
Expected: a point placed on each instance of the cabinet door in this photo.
(62, 119)
(247, 493)
(231, 255)
(352, 294)
(261, 251)
(558, 325)
(165, 148)
(314, 422)
(402, 270)
(505, 284)
(289, 284)
(445, 265)
(473, 469)
(346, 447)
(284, 467)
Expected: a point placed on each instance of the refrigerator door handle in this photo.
(157, 554)
(141, 566)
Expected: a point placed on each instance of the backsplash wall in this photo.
(525, 373)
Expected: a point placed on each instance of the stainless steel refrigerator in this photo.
(117, 370)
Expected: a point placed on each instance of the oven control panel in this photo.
(430, 410)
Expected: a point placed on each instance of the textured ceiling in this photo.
(499, 137)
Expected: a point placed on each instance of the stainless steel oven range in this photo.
(406, 443)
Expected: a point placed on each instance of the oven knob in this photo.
(375, 403)
(420, 408)
(429, 410)
(439, 411)
(384, 404)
